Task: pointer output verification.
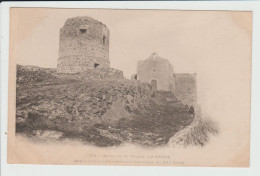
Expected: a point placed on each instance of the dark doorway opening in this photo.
(104, 40)
(154, 85)
(135, 77)
(96, 65)
(83, 31)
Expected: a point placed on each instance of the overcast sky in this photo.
(186, 38)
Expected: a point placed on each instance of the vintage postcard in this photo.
(129, 87)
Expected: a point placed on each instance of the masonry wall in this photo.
(158, 69)
(84, 42)
(186, 88)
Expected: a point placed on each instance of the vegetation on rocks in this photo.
(95, 110)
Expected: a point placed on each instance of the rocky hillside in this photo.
(33, 74)
(195, 134)
(104, 111)
(37, 75)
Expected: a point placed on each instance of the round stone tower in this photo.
(84, 44)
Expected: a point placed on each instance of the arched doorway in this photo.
(154, 85)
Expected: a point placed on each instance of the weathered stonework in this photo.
(159, 73)
(84, 44)
(186, 88)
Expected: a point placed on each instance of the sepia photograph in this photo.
(129, 87)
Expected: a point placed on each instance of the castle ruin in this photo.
(83, 45)
(159, 72)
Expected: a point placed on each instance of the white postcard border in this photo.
(15, 169)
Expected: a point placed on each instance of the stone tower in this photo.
(84, 44)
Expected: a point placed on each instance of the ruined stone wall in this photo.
(158, 69)
(84, 43)
(186, 88)
(102, 73)
(75, 64)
